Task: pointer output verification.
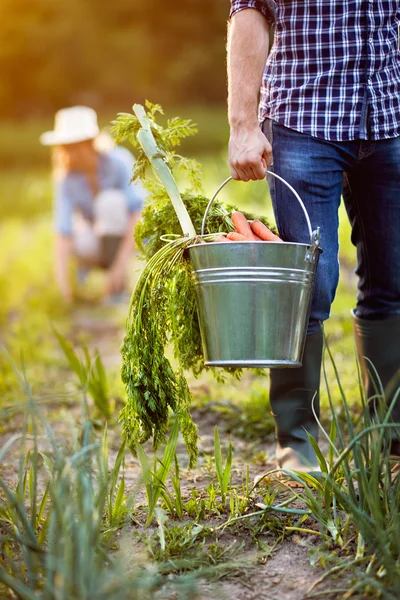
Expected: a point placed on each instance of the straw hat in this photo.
(71, 125)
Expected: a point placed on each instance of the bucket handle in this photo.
(314, 235)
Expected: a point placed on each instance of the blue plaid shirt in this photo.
(334, 68)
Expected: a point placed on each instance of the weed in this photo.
(56, 522)
(223, 473)
(360, 497)
(174, 503)
(155, 479)
(91, 374)
(177, 540)
(116, 506)
(183, 549)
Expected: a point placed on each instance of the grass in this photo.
(70, 500)
(223, 472)
(154, 479)
(57, 520)
(91, 375)
(25, 193)
(29, 299)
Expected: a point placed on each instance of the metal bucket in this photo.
(254, 298)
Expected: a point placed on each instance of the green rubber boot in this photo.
(293, 392)
(379, 342)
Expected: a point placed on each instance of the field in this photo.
(81, 517)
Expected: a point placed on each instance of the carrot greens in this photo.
(153, 386)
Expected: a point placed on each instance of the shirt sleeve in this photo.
(62, 209)
(265, 7)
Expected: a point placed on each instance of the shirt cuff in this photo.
(265, 7)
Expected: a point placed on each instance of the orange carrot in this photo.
(233, 236)
(253, 231)
(263, 232)
(242, 226)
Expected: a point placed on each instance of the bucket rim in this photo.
(247, 242)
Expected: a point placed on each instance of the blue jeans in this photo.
(368, 174)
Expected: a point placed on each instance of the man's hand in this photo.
(250, 154)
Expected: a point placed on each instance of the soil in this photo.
(287, 573)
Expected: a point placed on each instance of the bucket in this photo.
(254, 298)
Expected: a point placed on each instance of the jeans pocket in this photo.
(266, 128)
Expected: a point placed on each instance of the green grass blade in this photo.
(176, 483)
(169, 453)
(332, 438)
(104, 452)
(113, 478)
(227, 469)
(73, 360)
(218, 457)
(117, 511)
(152, 489)
(320, 457)
(21, 590)
(168, 501)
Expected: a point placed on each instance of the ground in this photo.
(277, 565)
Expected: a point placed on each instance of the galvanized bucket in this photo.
(254, 298)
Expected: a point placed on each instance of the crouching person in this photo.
(95, 208)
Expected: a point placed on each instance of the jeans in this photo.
(367, 173)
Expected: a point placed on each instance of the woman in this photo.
(95, 207)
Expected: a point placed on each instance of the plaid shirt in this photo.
(334, 69)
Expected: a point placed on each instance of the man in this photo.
(329, 110)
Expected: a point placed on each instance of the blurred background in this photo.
(107, 55)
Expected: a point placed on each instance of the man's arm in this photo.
(248, 43)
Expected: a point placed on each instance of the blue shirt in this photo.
(73, 193)
(334, 68)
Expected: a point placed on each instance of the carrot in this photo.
(233, 236)
(263, 232)
(242, 226)
(221, 238)
(253, 231)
